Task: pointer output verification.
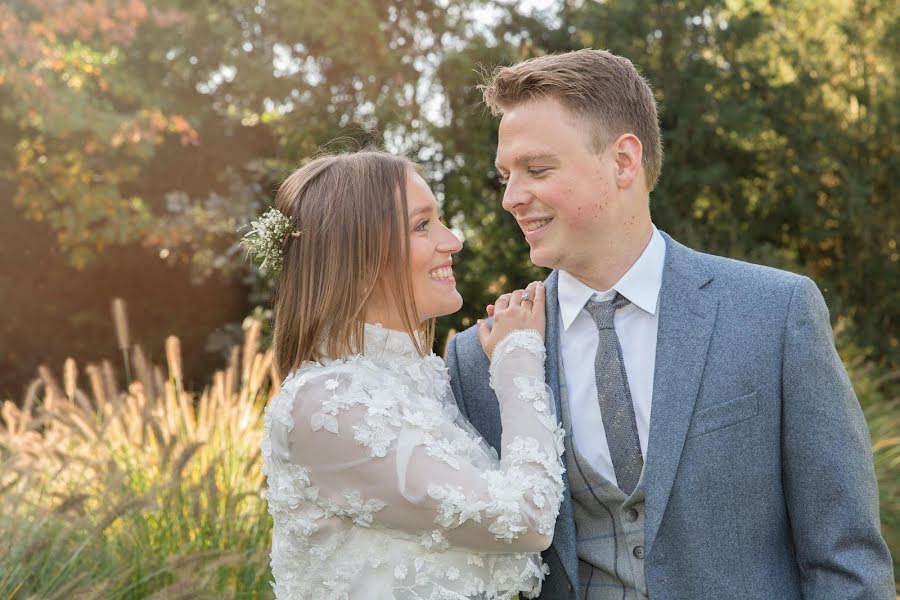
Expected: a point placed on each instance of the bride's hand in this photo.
(513, 311)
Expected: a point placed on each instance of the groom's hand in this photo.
(522, 309)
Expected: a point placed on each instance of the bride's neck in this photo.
(377, 313)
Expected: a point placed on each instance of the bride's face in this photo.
(431, 245)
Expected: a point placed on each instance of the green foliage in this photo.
(131, 120)
(171, 125)
(780, 127)
(879, 394)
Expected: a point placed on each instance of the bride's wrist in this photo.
(528, 339)
(527, 346)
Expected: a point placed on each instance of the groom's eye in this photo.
(537, 171)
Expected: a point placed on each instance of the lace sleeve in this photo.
(387, 455)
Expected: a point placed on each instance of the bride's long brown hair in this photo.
(351, 211)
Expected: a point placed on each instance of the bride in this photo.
(377, 486)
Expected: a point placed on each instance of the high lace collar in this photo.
(381, 342)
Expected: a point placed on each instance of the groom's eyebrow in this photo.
(529, 157)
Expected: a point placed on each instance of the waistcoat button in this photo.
(638, 552)
(631, 515)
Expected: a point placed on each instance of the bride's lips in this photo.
(443, 274)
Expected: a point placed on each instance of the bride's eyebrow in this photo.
(419, 211)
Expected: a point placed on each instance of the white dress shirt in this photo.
(636, 327)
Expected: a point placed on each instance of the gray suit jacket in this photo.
(759, 472)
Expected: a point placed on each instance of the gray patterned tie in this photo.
(615, 396)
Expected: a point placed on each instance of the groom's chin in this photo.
(540, 258)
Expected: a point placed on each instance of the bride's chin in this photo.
(447, 309)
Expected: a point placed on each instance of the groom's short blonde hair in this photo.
(603, 89)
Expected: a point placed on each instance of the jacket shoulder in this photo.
(466, 349)
(749, 280)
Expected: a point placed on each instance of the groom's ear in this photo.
(628, 156)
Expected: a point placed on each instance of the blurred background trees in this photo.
(140, 135)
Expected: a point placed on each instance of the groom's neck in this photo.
(613, 257)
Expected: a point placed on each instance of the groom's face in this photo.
(560, 191)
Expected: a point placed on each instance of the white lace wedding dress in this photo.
(380, 490)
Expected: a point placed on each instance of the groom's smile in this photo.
(534, 228)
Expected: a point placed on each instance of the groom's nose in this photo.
(514, 196)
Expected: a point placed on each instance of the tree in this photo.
(167, 123)
(780, 127)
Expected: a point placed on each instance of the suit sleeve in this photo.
(827, 470)
(452, 362)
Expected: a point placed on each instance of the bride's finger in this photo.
(502, 302)
(528, 296)
(539, 297)
(516, 298)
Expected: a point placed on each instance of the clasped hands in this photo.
(521, 309)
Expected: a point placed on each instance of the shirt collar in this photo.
(640, 284)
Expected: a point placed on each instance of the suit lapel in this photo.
(564, 540)
(686, 318)
(551, 308)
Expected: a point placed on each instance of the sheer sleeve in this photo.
(388, 455)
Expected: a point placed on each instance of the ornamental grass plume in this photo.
(173, 358)
(147, 491)
(70, 377)
(120, 320)
(98, 390)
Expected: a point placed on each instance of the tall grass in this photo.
(152, 491)
(145, 492)
(879, 395)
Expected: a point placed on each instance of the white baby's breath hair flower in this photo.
(266, 239)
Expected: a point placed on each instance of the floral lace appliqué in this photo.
(401, 479)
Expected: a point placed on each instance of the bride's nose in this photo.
(449, 243)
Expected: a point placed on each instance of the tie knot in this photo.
(603, 312)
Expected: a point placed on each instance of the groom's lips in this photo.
(535, 233)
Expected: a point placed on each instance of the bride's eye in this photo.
(423, 225)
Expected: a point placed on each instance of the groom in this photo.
(714, 445)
